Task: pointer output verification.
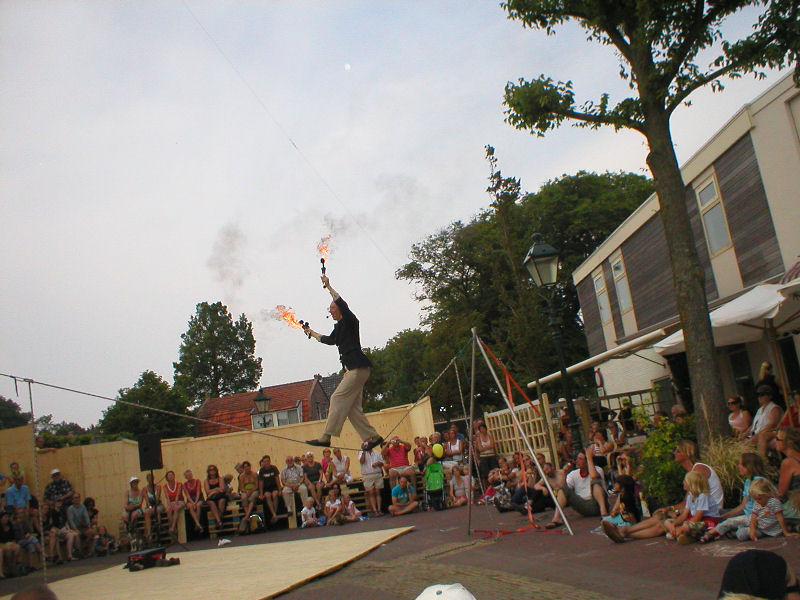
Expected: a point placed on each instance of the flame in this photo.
(283, 313)
(322, 246)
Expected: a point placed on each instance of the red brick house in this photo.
(271, 406)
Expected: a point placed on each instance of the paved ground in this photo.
(541, 565)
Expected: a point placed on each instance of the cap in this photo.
(54, 471)
(132, 479)
(764, 390)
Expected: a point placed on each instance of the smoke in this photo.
(225, 260)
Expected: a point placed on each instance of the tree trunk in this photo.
(688, 279)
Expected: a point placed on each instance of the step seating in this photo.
(160, 527)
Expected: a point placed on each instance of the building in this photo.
(743, 198)
(271, 406)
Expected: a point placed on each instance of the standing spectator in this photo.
(341, 468)
(313, 472)
(248, 489)
(193, 494)
(80, 521)
(293, 481)
(396, 454)
(403, 498)
(59, 489)
(487, 456)
(584, 490)
(173, 490)
(372, 475)
(269, 486)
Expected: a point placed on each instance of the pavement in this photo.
(541, 564)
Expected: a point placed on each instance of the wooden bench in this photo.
(158, 525)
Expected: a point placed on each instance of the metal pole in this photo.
(471, 448)
(36, 477)
(525, 439)
(554, 312)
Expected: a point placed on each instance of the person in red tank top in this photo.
(396, 455)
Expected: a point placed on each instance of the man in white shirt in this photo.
(584, 489)
(372, 474)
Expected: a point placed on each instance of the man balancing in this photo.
(346, 400)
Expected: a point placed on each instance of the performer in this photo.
(346, 400)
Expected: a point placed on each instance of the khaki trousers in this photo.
(346, 404)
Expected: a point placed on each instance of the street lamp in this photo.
(542, 262)
(261, 401)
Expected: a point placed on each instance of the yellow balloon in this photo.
(438, 451)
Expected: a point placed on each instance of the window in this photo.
(621, 285)
(602, 298)
(713, 216)
(275, 418)
(261, 420)
(286, 417)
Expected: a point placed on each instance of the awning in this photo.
(747, 317)
(628, 347)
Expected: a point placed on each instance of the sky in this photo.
(155, 155)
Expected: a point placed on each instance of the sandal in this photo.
(708, 537)
(552, 525)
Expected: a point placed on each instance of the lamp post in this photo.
(261, 401)
(542, 262)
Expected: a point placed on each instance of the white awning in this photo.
(746, 318)
(630, 346)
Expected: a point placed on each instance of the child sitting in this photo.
(309, 515)
(700, 512)
(350, 511)
(104, 542)
(765, 520)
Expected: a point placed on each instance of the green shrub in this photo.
(661, 477)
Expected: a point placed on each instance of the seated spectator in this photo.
(350, 512)
(616, 434)
(453, 449)
(59, 489)
(403, 498)
(626, 509)
(455, 434)
(239, 468)
(309, 515)
(333, 506)
(269, 486)
(248, 489)
(538, 496)
(293, 481)
(193, 496)
(327, 467)
(751, 467)
(341, 468)
(173, 490)
(766, 518)
(624, 464)
(766, 419)
(699, 512)
(133, 506)
(459, 494)
(10, 552)
(104, 542)
(396, 455)
(372, 475)
(421, 452)
(313, 472)
(24, 536)
(739, 418)
(90, 505)
(601, 448)
(787, 442)
(216, 498)
(152, 498)
(18, 496)
(584, 490)
(55, 519)
(80, 522)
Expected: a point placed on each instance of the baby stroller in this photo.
(434, 486)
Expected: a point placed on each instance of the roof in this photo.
(235, 409)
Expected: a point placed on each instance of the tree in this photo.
(46, 423)
(399, 372)
(658, 44)
(149, 391)
(11, 414)
(217, 355)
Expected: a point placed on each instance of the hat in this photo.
(764, 390)
(54, 471)
(133, 478)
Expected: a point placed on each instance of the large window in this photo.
(602, 298)
(275, 418)
(713, 215)
(621, 284)
(287, 417)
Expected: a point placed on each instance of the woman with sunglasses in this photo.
(216, 497)
(787, 441)
(739, 419)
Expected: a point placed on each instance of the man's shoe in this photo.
(370, 443)
(320, 443)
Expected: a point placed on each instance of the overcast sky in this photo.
(155, 155)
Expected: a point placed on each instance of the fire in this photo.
(322, 246)
(286, 314)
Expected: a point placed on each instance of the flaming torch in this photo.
(322, 248)
(287, 315)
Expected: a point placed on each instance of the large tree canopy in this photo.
(149, 391)
(217, 355)
(659, 44)
(11, 414)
